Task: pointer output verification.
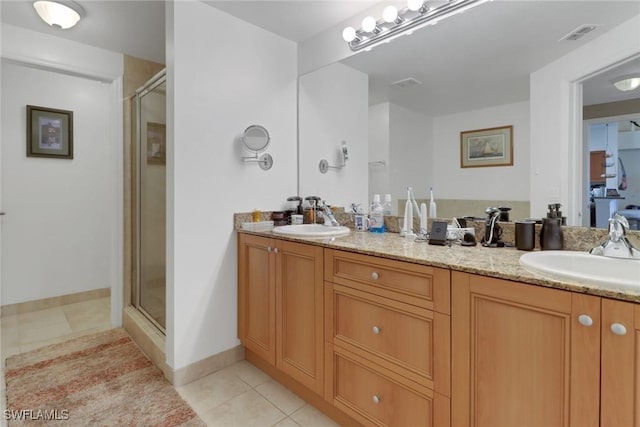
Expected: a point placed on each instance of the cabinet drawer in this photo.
(373, 398)
(408, 340)
(414, 284)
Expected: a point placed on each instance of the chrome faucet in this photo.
(618, 245)
(329, 218)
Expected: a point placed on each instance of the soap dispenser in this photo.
(551, 236)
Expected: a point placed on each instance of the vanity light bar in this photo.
(407, 19)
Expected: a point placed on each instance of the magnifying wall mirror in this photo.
(256, 140)
(324, 165)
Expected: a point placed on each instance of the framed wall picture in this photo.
(49, 132)
(156, 144)
(486, 147)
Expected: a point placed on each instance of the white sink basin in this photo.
(311, 230)
(582, 267)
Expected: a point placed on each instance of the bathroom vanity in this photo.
(377, 330)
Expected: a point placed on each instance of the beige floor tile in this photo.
(287, 422)
(249, 409)
(8, 351)
(9, 321)
(282, 398)
(87, 315)
(213, 390)
(308, 416)
(37, 332)
(249, 373)
(106, 301)
(61, 338)
(41, 317)
(9, 334)
(9, 341)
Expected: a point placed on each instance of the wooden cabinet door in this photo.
(620, 364)
(520, 355)
(299, 313)
(596, 167)
(256, 295)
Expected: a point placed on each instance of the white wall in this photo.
(556, 114)
(63, 228)
(503, 182)
(65, 56)
(411, 154)
(379, 179)
(333, 107)
(402, 138)
(56, 234)
(223, 75)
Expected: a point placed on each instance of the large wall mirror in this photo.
(401, 106)
(612, 145)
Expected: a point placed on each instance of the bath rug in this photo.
(101, 379)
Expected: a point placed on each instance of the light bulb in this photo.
(349, 34)
(369, 24)
(415, 5)
(390, 14)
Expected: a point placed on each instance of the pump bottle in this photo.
(376, 216)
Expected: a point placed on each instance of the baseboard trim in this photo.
(207, 366)
(41, 304)
(152, 343)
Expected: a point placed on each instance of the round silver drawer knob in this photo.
(618, 329)
(376, 330)
(269, 249)
(375, 276)
(376, 399)
(585, 320)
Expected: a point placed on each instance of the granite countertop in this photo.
(501, 263)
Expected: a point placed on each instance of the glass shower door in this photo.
(151, 197)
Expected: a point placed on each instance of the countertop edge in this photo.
(505, 266)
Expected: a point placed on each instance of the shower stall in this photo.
(148, 291)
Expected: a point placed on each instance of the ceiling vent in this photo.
(408, 82)
(579, 32)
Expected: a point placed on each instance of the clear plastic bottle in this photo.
(386, 206)
(376, 216)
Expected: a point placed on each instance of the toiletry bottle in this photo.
(432, 206)
(376, 216)
(386, 206)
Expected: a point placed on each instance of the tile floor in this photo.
(238, 396)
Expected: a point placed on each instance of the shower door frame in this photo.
(148, 87)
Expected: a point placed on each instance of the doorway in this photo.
(616, 186)
(149, 290)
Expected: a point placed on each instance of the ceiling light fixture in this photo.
(395, 23)
(627, 83)
(59, 13)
